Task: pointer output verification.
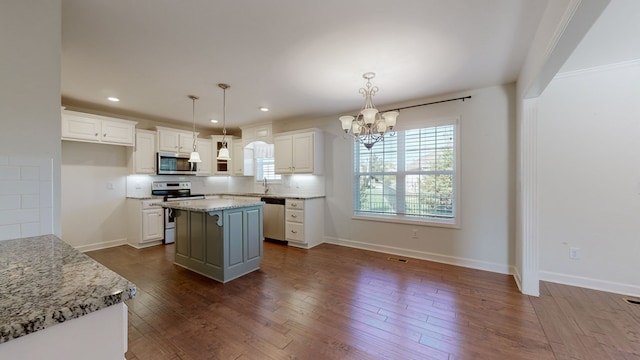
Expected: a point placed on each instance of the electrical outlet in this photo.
(414, 233)
(574, 253)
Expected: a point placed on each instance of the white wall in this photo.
(30, 33)
(486, 239)
(93, 195)
(589, 178)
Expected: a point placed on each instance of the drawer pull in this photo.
(294, 215)
(294, 232)
(294, 205)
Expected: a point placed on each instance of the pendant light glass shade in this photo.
(223, 153)
(195, 156)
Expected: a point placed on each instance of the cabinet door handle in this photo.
(104, 135)
(96, 134)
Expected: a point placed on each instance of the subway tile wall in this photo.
(26, 197)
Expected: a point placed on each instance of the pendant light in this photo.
(223, 154)
(195, 156)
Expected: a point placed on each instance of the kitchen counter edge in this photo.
(45, 282)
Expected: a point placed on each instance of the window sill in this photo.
(407, 220)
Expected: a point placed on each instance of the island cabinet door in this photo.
(243, 241)
(253, 221)
(236, 233)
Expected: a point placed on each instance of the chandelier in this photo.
(369, 126)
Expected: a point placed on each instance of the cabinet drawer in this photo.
(295, 215)
(295, 204)
(294, 232)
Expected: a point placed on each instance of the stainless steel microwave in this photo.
(175, 164)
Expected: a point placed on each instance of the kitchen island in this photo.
(58, 303)
(218, 238)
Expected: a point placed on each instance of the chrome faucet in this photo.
(266, 186)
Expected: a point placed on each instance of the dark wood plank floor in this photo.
(334, 302)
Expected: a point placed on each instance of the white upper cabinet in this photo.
(205, 149)
(298, 152)
(258, 132)
(144, 153)
(173, 140)
(78, 126)
(241, 159)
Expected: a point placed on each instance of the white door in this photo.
(206, 152)
(237, 158)
(145, 153)
(168, 141)
(117, 132)
(152, 225)
(186, 143)
(302, 153)
(282, 155)
(81, 128)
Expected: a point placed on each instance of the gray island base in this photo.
(218, 238)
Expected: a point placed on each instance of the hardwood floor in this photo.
(334, 302)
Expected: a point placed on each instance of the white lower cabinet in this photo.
(304, 221)
(145, 223)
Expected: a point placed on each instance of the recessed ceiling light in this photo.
(214, 121)
(113, 98)
(264, 109)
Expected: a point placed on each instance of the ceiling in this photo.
(300, 58)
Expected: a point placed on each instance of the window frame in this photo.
(454, 222)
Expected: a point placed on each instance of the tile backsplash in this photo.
(26, 196)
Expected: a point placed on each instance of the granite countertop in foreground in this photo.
(44, 281)
(207, 205)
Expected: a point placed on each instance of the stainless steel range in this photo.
(172, 191)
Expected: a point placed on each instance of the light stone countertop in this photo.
(207, 205)
(44, 281)
(263, 195)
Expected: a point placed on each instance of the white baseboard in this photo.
(101, 245)
(517, 277)
(146, 245)
(446, 259)
(595, 284)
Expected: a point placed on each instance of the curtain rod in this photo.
(431, 103)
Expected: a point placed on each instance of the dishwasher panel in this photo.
(273, 219)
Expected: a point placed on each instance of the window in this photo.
(411, 176)
(264, 164)
(265, 169)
